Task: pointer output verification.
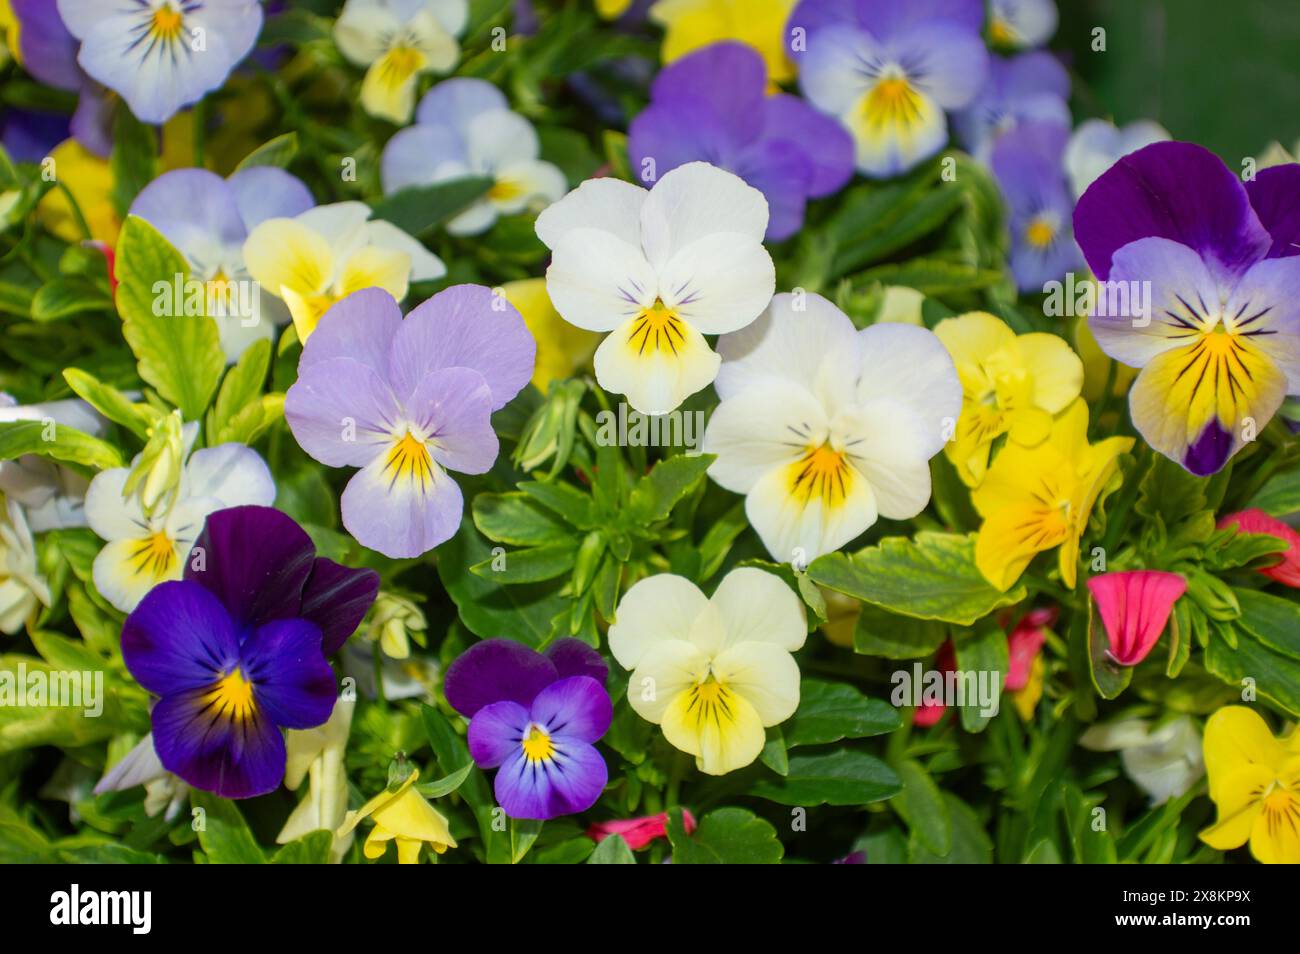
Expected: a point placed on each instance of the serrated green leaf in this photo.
(839, 777)
(417, 209)
(724, 836)
(831, 711)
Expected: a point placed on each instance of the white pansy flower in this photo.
(825, 428)
(51, 495)
(658, 270)
(164, 792)
(146, 549)
(317, 755)
(397, 41)
(1164, 762)
(323, 255)
(1021, 24)
(464, 127)
(1096, 145)
(22, 588)
(713, 672)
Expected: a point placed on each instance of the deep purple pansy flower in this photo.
(236, 650)
(534, 717)
(1211, 311)
(712, 105)
(1030, 88)
(1027, 164)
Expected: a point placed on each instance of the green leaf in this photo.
(133, 160)
(419, 208)
(980, 653)
(112, 403)
(831, 711)
(67, 444)
(518, 520)
(1280, 494)
(1108, 677)
(612, 850)
(970, 843)
(655, 494)
(726, 836)
(840, 777)
(523, 833)
(931, 276)
(241, 387)
(448, 783)
(223, 833)
(775, 754)
(913, 220)
(69, 727)
(312, 848)
(930, 577)
(64, 297)
(922, 806)
(1272, 620)
(881, 633)
(566, 501)
(277, 152)
(179, 355)
(1274, 676)
(532, 565)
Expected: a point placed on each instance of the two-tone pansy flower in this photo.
(464, 127)
(162, 55)
(658, 270)
(1034, 499)
(1020, 24)
(1219, 339)
(713, 672)
(318, 257)
(1030, 88)
(406, 401)
(535, 717)
(208, 219)
(824, 427)
(1011, 385)
(148, 548)
(1027, 164)
(236, 651)
(712, 105)
(398, 41)
(692, 24)
(1097, 144)
(889, 70)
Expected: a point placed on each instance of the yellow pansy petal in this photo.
(765, 675)
(376, 267)
(562, 348)
(1029, 425)
(283, 253)
(657, 360)
(716, 725)
(1096, 365)
(125, 570)
(388, 91)
(691, 24)
(970, 337)
(90, 180)
(1056, 370)
(612, 9)
(665, 671)
(408, 851)
(409, 815)
(1240, 805)
(1010, 539)
(376, 843)
(1236, 736)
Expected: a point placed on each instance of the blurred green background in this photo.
(1219, 72)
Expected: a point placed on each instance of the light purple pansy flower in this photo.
(1218, 340)
(161, 55)
(535, 717)
(1032, 87)
(889, 70)
(406, 401)
(1027, 164)
(712, 105)
(208, 218)
(1021, 24)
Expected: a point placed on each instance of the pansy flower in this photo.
(52, 495)
(712, 105)
(23, 590)
(714, 672)
(535, 718)
(1032, 87)
(403, 816)
(1097, 144)
(236, 650)
(464, 127)
(1027, 164)
(397, 41)
(161, 55)
(406, 401)
(824, 427)
(658, 270)
(691, 24)
(1011, 385)
(145, 549)
(1036, 498)
(321, 256)
(1219, 345)
(889, 70)
(1020, 24)
(208, 218)
(1163, 760)
(562, 348)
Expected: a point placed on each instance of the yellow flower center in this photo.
(1001, 33)
(409, 459)
(1040, 233)
(710, 703)
(166, 23)
(400, 64)
(232, 697)
(892, 101)
(821, 473)
(537, 745)
(503, 190)
(657, 328)
(155, 555)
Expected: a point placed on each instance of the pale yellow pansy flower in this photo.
(317, 755)
(562, 348)
(325, 254)
(1011, 384)
(404, 816)
(712, 671)
(692, 24)
(398, 41)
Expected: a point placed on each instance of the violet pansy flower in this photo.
(236, 650)
(889, 70)
(161, 55)
(407, 401)
(208, 218)
(1027, 164)
(1218, 335)
(1032, 87)
(535, 717)
(712, 105)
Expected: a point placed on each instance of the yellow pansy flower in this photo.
(1011, 384)
(90, 181)
(1035, 498)
(1255, 782)
(691, 24)
(562, 348)
(8, 33)
(607, 9)
(404, 816)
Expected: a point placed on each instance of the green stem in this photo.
(378, 660)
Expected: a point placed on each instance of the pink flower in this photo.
(1135, 606)
(1023, 644)
(1287, 568)
(928, 713)
(638, 832)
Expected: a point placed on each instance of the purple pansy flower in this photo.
(208, 218)
(1032, 87)
(535, 717)
(406, 401)
(712, 105)
(888, 70)
(161, 55)
(1027, 164)
(1219, 340)
(236, 650)
(30, 136)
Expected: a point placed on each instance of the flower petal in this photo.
(179, 638)
(292, 682)
(404, 512)
(341, 412)
(576, 708)
(656, 608)
(496, 670)
(496, 732)
(696, 201)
